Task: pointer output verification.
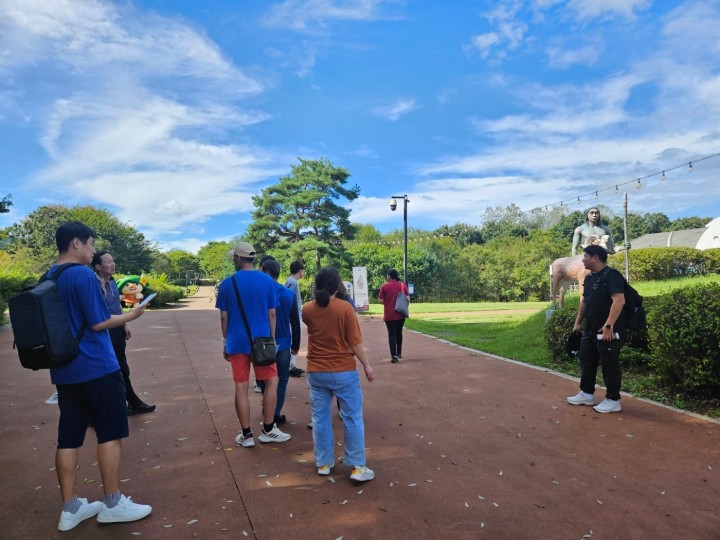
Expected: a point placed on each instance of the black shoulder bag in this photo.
(262, 348)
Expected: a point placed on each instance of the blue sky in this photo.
(174, 113)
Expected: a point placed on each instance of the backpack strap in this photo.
(55, 277)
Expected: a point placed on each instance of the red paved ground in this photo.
(464, 445)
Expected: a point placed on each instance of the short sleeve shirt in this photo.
(388, 293)
(85, 306)
(259, 294)
(597, 294)
(331, 332)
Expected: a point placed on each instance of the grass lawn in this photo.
(509, 330)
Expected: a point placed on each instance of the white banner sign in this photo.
(360, 288)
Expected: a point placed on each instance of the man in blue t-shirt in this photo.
(287, 336)
(601, 307)
(258, 294)
(91, 387)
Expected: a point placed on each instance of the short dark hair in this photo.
(393, 274)
(327, 281)
(296, 266)
(97, 258)
(271, 267)
(599, 251)
(266, 258)
(67, 232)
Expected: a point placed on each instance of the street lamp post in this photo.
(393, 206)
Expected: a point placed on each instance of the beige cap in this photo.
(243, 249)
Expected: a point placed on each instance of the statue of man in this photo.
(592, 232)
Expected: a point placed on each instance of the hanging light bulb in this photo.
(616, 190)
(639, 184)
(690, 169)
(663, 177)
(596, 194)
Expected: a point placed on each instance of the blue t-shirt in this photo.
(259, 294)
(283, 332)
(85, 305)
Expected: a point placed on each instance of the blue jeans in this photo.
(282, 360)
(345, 385)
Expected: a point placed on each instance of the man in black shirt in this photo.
(601, 307)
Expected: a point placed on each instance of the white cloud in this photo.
(588, 9)
(562, 57)
(308, 14)
(396, 110)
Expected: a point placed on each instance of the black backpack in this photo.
(633, 311)
(40, 325)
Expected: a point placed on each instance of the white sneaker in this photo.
(124, 511)
(257, 389)
(581, 398)
(246, 442)
(68, 520)
(608, 406)
(325, 469)
(362, 474)
(274, 435)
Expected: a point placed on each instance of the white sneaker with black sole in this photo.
(69, 521)
(274, 435)
(124, 511)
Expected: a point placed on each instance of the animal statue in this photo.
(563, 272)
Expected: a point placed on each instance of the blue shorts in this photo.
(101, 401)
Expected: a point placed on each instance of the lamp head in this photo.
(393, 204)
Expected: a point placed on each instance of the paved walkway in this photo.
(464, 445)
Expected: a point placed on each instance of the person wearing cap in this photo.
(259, 296)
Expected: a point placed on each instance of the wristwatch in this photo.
(608, 326)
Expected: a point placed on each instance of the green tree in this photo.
(181, 264)
(692, 222)
(656, 222)
(301, 217)
(33, 237)
(463, 233)
(5, 204)
(214, 260)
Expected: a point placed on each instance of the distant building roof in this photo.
(704, 238)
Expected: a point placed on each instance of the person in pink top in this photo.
(393, 320)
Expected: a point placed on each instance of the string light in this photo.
(637, 181)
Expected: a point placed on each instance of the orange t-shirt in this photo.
(331, 332)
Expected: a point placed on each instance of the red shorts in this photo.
(241, 369)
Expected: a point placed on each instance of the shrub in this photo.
(166, 293)
(712, 260)
(650, 264)
(559, 327)
(684, 326)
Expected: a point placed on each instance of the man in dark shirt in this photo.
(104, 266)
(601, 306)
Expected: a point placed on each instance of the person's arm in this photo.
(575, 242)
(119, 320)
(580, 315)
(223, 329)
(381, 295)
(618, 301)
(272, 320)
(128, 333)
(294, 330)
(360, 353)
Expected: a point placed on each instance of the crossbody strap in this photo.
(242, 309)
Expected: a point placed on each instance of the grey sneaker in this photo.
(124, 511)
(361, 473)
(608, 406)
(325, 469)
(274, 435)
(246, 442)
(69, 521)
(581, 398)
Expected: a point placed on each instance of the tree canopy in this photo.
(301, 217)
(33, 238)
